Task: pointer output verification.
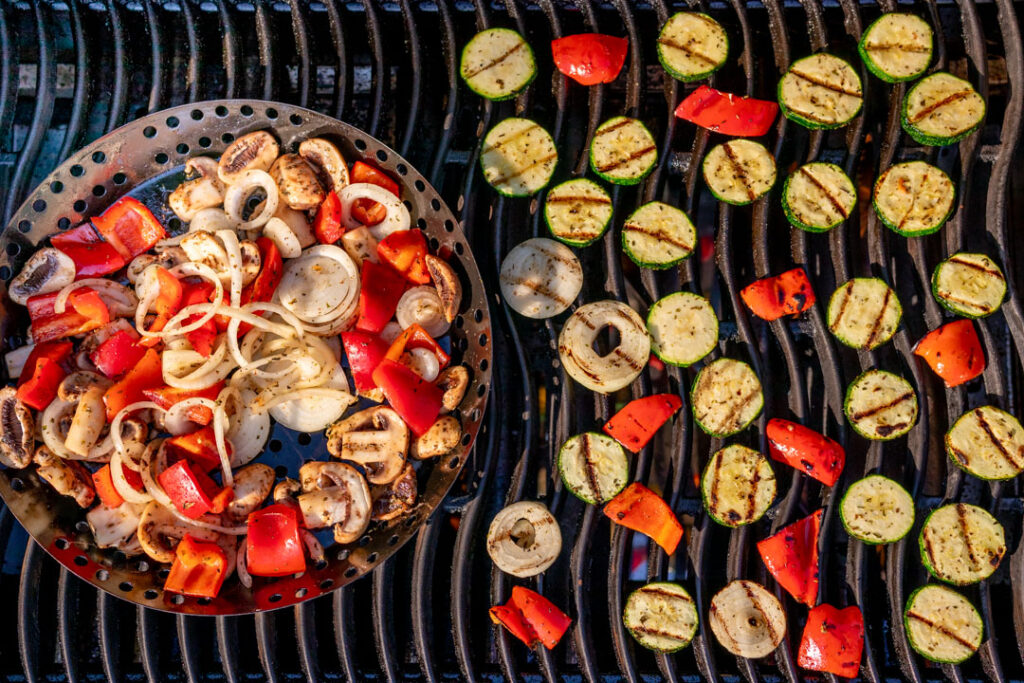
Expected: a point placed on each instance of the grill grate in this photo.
(73, 71)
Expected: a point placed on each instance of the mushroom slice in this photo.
(441, 438)
(251, 261)
(204, 189)
(167, 257)
(17, 430)
(524, 539)
(297, 181)
(286, 490)
(159, 532)
(115, 527)
(48, 270)
(253, 484)
(453, 381)
(86, 426)
(202, 247)
(297, 223)
(253, 151)
(395, 499)
(377, 438)
(360, 244)
(67, 477)
(335, 495)
(73, 387)
(326, 161)
(449, 289)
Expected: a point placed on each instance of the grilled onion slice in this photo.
(747, 620)
(524, 539)
(619, 367)
(540, 278)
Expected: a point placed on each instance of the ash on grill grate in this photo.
(72, 71)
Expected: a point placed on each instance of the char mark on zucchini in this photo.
(659, 235)
(821, 83)
(929, 110)
(944, 630)
(496, 61)
(667, 42)
(833, 200)
(633, 156)
(876, 325)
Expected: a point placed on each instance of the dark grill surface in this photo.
(71, 72)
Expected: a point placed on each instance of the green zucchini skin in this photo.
(643, 136)
(630, 621)
(814, 124)
(616, 451)
(531, 62)
(877, 69)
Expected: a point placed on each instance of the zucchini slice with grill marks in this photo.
(864, 313)
(942, 625)
(726, 397)
(877, 510)
(692, 46)
(661, 616)
(747, 619)
(497, 64)
(988, 443)
(941, 109)
(658, 235)
(738, 486)
(820, 91)
(577, 212)
(897, 47)
(818, 197)
(594, 467)
(518, 157)
(880, 405)
(913, 198)
(683, 328)
(961, 544)
(971, 285)
(739, 172)
(623, 151)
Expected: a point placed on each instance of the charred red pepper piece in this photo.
(380, 289)
(367, 211)
(364, 352)
(147, 374)
(805, 450)
(531, 618)
(833, 640)
(273, 546)
(726, 113)
(190, 494)
(199, 569)
(93, 257)
(415, 337)
(198, 447)
(590, 58)
(269, 277)
(327, 224)
(83, 311)
(418, 402)
(640, 419)
(129, 227)
(641, 509)
(165, 397)
(953, 352)
(791, 555)
(118, 353)
(406, 252)
(43, 373)
(771, 298)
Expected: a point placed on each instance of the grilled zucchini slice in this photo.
(747, 619)
(726, 397)
(941, 109)
(738, 486)
(658, 235)
(594, 467)
(518, 157)
(683, 328)
(988, 443)
(577, 212)
(820, 91)
(692, 46)
(880, 405)
(942, 625)
(970, 285)
(661, 616)
(897, 47)
(877, 510)
(864, 313)
(818, 197)
(739, 172)
(961, 544)
(623, 151)
(913, 198)
(498, 64)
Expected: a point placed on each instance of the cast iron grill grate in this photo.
(72, 71)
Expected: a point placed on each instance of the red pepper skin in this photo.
(380, 289)
(118, 354)
(415, 337)
(641, 509)
(805, 450)
(92, 256)
(547, 622)
(728, 114)
(202, 338)
(833, 640)
(198, 448)
(406, 252)
(273, 546)
(103, 482)
(791, 555)
(185, 490)
(364, 352)
(165, 397)
(48, 325)
(512, 619)
(327, 224)
(771, 298)
(147, 374)
(129, 227)
(271, 267)
(418, 402)
(199, 569)
(590, 58)
(639, 420)
(43, 373)
(953, 352)
(367, 211)
(87, 302)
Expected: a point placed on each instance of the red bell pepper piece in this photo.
(791, 555)
(147, 374)
(129, 227)
(118, 354)
(43, 373)
(48, 325)
(417, 401)
(199, 569)
(805, 450)
(367, 211)
(953, 352)
(513, 620)
(58, 351)
(406, 252)
(415, 337)
(590, 58)
(92, 256)
(266, 282)
(188, 493)
(833, 640)
(364, 351)
(87, 302)
(380, 289)
(103, 482)
(327, 224)
(641, 509)
(198, 447)
(201, 339)
(165, 397)
(771, 298)
(726, 113)
(273, 546)
(531, 618)
(637, 422)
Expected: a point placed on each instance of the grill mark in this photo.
(713, 494)
(537, 287)
(961, 514)
(974, 266)
(952, 297)
(742, 404)
(950, 99)
(944, 630)
(824, 190)
(983, 423)
(614, 127)
(739, 171)
(558, 199)
(647, 630)
(857, 417)
(752, 496)
(724, 623)
(658, 235)
(630, 361)
(878, 320)
(927, 538)
(567, 261)
(842, 308)
(497, 60)
(502, 180)
(961, 456)
(760, 610)
(688, 50)
(591, 473)
(810, 116)
(913, 201)
(824, 84)
(665, 594)
(567, 351)
(921, 49)
(632, 157)
(512, 138)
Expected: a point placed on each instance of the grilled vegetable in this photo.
(518, 157)
(726, 397)
(791, 555)
(897, 47)
(805, 450)
(739, 171)
(497, 64)
(941, 109)
(877, 510)
(692, 46)
(913, 198)
(657, 235)
(864, 313)
(726, 113)
(638, 421)
(594, 467)
(953, 352)
(818, 197)
(988, 443)
(524, 539)
(661, 616)
(942, 625)
(747, 620)
(833, 640)
(738, 486)
(642, 510)
(577, 212)
(771, 298)
(590, 58)
(683, 328)
(820, 91)
(540, 278)
(616, 368)
(971, 285)
(623, 151)
(961, 544)
(880, 405)
(531, 618)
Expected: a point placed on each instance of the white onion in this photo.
(119, 299)
(189, 370)
(124, 489)
(238, 192)
(424, 363)
(115, 424)
(422, 306)
(174, 325)
(321, 285)
(391, 331)
(15, 360)
(176, 420)
(50, 419)
(278, 232)
(249, 428)
(297, 222)
(397, 217)
(211, 220)
(234, 252)
(316, 408)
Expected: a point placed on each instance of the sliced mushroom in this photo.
(360, 244)
(297, 181)
(335, 494)
(327, 161)
(204, 189)
(453, 381)
(67, 477)
(203, 247)
(377, 438)
(48, 270)
(251, 261)
(253, 484)
(253, 151)
(73, 387)
(395, 499)
(286, 490)
(449, 289)
(133, 434)
(297, 223)
(159, 532)
(86, 426)
(17, 430)
(441, 438)
(166, 257)
(115, 527)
